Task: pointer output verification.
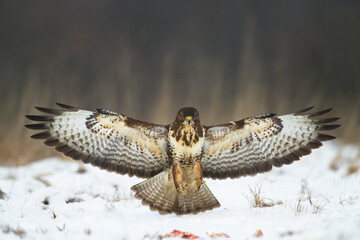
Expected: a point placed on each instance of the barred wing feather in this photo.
(253, 145)
(105, 139)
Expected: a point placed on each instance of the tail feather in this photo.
(201, 201)
(159, 194)
(151, 193)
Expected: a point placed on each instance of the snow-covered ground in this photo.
(55, 199)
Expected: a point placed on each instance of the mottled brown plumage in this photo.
(176, 157)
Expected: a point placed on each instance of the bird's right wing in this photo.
(105, 139)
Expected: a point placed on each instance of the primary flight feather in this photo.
(176, 157)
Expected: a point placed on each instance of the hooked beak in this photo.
(189, 119)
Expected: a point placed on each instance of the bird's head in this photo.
(188, 116)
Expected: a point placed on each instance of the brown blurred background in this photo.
(146, 59)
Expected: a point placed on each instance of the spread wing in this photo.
(253, 145)
(105, 139)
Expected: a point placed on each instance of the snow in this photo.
(53, 199)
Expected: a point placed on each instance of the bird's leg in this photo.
(177, 174)
(198, 175)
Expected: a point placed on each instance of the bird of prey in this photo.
(175, 158)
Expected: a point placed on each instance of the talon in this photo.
(182, 188)
(198, 183)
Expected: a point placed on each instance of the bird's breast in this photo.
(186, 144)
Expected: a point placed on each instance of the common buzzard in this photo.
(176, 157)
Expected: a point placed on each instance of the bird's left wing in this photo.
(253, 145)
(105, 139)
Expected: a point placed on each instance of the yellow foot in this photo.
(198, 183)
(182, 188)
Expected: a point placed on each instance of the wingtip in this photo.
(65, 106)
(325, 137)
(41, 109)
(320, 112)
(57, 111)
(41, 135)
(48, 110)
(304, 110)
(37, 126)
(326, 120)
(39, 118)
(327, 127)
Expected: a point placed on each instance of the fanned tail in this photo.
(160, 195)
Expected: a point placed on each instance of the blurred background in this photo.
(147, 59)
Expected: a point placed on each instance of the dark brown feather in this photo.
(326, 120)
(303, 111)
(50, 110)
(41, 135)
(67, 107)
(320, 112)
(325, 137)
(40, 118)
(37, 126)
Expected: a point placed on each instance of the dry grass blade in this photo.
(258, 201)
(299, 208)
